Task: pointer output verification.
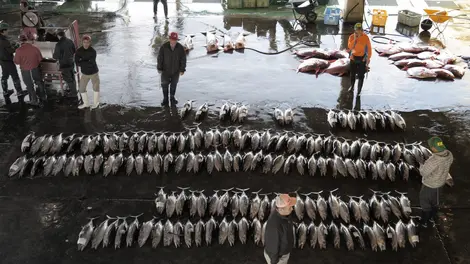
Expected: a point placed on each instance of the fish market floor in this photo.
(41, 218)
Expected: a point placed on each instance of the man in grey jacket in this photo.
(171, 64)
(279, 234)
(435, 172)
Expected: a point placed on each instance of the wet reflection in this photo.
(266, 27)
(230, 21)
(249, 25)
(346, 95)
(49, 214)
(159, 36)
(296, 31)
(179, 17)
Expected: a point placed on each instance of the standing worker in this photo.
(279, 235)
(155, 8)
(29, 58)
(171, 65)
(435, 172)
(86, 60)
(8, 66)
(64, 53)
(360, 52)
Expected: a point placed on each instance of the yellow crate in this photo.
(262, 3)
(379, 17)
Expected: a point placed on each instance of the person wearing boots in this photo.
(171, 64)
(64, 53)
(435, 173)
(360, 51)
(86, 60)
(29, 58)
(8, 66)
(155, 8)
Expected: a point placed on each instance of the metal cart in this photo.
(304, 10)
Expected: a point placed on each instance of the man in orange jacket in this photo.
(360, 51)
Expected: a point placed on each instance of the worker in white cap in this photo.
(279, 234)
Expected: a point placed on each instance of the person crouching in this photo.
(29, 58)
(86, 60)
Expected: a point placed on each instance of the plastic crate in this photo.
(332, 16)
(379, 17)
(409, 18)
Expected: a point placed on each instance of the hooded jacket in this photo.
(279, 236)
(436, 169)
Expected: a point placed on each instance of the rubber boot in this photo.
(85, 101)
(6, 92)
(165, 96)
(425, 216)
(173, 99)
(96, 100)
(20, 93)
(433, 216)
(359, 86)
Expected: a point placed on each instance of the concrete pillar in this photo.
(353, 11)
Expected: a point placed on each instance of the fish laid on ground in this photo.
(240, 41)
(120, 232)
(457, 71)
(312, 53)
(212, 44)
(188, 42)
(157, 234)
(444, 74)
(85, 235)
(313, 65)
(145, 231)
(133, 227)
(228, 43)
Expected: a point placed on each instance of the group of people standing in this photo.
(29, 59)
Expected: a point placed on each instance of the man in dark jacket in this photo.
(8, 66)
(86, 59)
(29, 58)
(279, 234)
(171, 65)
(64, 53)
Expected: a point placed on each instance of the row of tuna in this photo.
(212, 42)
(226, 232)
(286, 142)
(228, 111)
(365, 120)
(236, 202)
(422, 61)
(73, 165)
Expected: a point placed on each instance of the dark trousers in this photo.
(69, 77)
(429, 202)
(9, 70)
(169, 80)
(31, 78)
(358, 67)
(165, 7)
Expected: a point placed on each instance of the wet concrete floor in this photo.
(41, 218)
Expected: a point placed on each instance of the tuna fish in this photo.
(212, 44)
(198, 229)
(243, 227)
(209, 226)
(188, 231)
(145, 231)
(457, 71)
(231, 232)
(356, 234)
(223, 231)
(120, 232)
(107, 233)
(168, 235)
(322, 232)
(257, 231)
(177, 233)
(85, 235)
(371, 236)
(421, 73)
(301, 235)
(188, 42)
(313, 65)
(133, 227)
(157, 234)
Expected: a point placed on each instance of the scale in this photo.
(30, 19)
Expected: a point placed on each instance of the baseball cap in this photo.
(173, 36)
(358, 26)
(86, 37)
(284, 200)
(437, 144)
(22, 37)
